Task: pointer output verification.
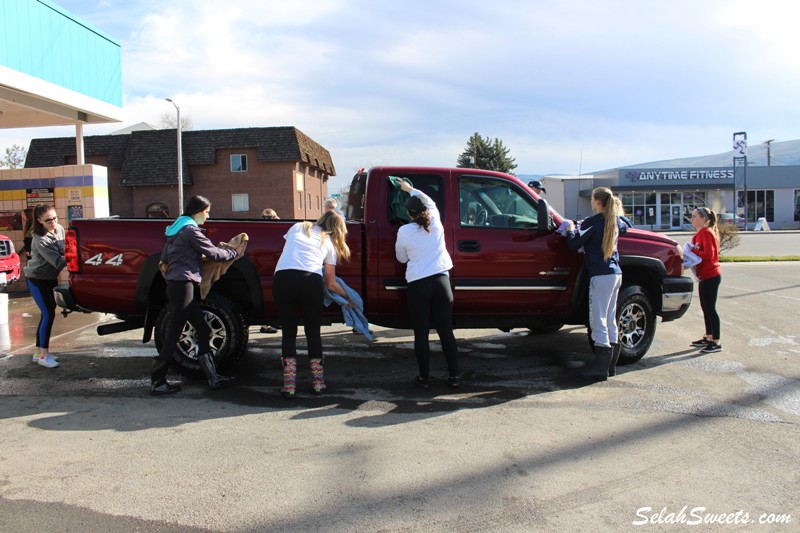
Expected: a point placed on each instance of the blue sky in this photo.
(567, 85)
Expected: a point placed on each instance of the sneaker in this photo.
(711, 347)
(700, 343)
(163, 388)
(453, 382)
(37, 356)
(268, 329)
(48, 361)
(421, 382)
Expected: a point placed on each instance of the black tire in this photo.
(229, 333)
(636, 322)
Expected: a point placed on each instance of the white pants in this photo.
(603, 292)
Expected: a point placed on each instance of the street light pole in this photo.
(180, 158)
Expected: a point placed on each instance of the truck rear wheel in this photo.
(229, 334)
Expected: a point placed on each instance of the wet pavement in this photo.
(522, 446)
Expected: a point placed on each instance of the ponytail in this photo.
(610, 224)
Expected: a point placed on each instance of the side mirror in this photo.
(544, 217)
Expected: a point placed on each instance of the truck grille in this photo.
(5, 248)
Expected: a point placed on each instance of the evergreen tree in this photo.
(486, 154)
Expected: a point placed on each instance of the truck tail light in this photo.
(71, 251)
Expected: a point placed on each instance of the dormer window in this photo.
(239, 163)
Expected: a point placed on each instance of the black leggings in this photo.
(184, 301)
(431, 299)
(708, 290)
(293, 291)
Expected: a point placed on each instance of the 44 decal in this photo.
(97, 260)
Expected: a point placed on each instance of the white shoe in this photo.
(36, 357)
(48, 361)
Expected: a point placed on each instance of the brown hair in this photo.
(711, 221)
(40, 211)
(28, 226)
(610, 223)
(418, 213)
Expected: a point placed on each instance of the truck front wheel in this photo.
(229, 333)
(636, 321)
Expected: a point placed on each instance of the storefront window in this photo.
(797, 205)
(760, 204)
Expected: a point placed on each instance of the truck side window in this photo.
(494, 203)
(430, 184)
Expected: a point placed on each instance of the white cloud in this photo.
(408, 82)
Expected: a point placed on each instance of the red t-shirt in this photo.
(708, 250)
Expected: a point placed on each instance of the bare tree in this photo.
(14, 158)
(168, 120)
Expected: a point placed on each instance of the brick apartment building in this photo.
(242, 171)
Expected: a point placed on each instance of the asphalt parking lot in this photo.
(523, 446)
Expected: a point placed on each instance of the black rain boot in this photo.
(616, 350)
(215, 380)
(159, 386)
(598, 370)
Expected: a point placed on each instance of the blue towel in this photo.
(353, 316)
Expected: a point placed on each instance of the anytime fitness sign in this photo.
(672, 175)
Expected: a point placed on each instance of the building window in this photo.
(157, 210)
(239, 163)
(640, 207)
(797, 205)
(300, 199)
(240, 202)
(760, 204)
(308, 200)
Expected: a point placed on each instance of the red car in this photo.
(9, 262)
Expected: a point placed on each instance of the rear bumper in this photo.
(65, 300)
(676, 297)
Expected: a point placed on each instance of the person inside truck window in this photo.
(598, 235)
(41, 275)
(306, 266)
(421, 246)
(186, 245)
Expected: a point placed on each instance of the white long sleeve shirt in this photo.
(425, 254)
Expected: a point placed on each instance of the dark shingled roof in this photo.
(54, 152)
(150, 157)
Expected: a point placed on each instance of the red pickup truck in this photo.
(512, 268)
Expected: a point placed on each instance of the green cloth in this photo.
(398, 202)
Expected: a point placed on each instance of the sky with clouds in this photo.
(567, 85)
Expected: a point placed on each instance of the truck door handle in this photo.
(469, 246)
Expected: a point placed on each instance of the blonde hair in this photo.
(333, 227)
(611, 209)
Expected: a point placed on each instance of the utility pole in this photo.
(180, 158)
(769, 142)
